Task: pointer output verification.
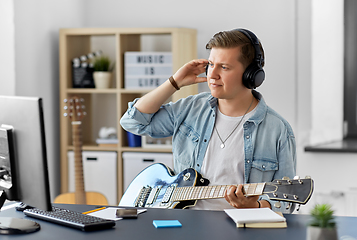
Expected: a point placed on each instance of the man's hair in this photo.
(232, 39)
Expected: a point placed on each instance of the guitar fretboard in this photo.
(211, 192)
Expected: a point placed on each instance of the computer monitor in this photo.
(24, 170)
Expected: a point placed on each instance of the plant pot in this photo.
(317, 233)
(102, 79)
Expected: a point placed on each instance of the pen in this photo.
(94, 210)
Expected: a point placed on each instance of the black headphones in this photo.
(254, 74)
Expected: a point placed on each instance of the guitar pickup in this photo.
(168, 194)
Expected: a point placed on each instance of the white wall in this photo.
(7, 48)
(37, 65)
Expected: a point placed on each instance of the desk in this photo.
(195, 225)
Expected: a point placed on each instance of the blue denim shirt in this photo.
(269, 142)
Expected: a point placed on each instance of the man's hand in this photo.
(235, 197)
(187, 74)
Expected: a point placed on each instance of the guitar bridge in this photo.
(143, 196)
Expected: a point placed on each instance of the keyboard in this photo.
(70, 218)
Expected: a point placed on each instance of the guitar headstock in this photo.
(290, 190)
(75, 108)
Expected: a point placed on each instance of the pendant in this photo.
(222, 145)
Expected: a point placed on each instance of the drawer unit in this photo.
(100, 173)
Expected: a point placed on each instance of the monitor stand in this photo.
(10, 225)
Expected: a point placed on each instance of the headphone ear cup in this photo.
(253, 76)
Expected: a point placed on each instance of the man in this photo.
(228, 135)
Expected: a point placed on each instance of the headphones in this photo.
(254, 74)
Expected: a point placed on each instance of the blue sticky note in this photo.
(166, 223)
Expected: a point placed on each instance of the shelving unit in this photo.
(106, 106)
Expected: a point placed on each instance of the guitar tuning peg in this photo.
(65, 100)
(65, 114)
(84, 113)
(298, 207)
(277, 205)
(285, 178)
(308, 177)
(82, 100)
(296, 177)
(83, 107)
(65, 107)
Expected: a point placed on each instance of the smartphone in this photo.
(127, 213)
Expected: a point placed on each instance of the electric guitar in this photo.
(157, 187)
(80, 196)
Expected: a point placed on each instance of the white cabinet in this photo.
(100, 173)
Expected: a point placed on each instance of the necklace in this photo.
(222, 142)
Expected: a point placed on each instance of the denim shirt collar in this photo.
(259, 113)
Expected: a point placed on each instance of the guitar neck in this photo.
(78, 163)
(211, 192)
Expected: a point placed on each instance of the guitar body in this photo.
(160, 176)
(92, 198)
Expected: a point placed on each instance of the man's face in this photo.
(225, 73)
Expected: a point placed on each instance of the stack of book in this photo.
(257, 218)
(146, 69)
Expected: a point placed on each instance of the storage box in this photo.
(135, 162)
(100, 173)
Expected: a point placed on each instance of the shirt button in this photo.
(205, 140)
(263, 166)
(247, 137)
(248, 161)
(198, 165)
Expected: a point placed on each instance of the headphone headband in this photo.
(255, 42)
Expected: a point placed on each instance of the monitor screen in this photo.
(29, 171)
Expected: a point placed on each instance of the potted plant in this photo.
(102, 72)
(322, 225)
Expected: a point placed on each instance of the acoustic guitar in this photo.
(157, 187)
(80, 196)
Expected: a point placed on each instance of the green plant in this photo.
(322, 216)
(102, 64)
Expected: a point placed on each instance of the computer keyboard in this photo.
(70, 218)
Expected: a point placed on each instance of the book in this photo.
(257, 218)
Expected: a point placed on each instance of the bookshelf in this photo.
(106, 106)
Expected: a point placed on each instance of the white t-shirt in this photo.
(224, 166)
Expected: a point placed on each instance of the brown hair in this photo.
(235, 38)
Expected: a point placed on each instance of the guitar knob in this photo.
(285, 178)
(308, 177)
(296, 177)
